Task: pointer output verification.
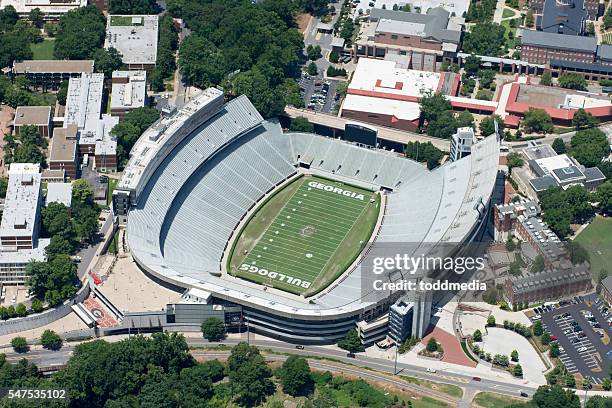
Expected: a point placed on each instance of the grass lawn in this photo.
(43, 50)
(507, 13)
(304, 237)
(122, 21)
(492, 400)
(449, 389)
(509, 42)
(597, 240)
(112, 183)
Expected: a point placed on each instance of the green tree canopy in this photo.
(295, 376)
(51, 340)
(559, 146)
(573, 81)
(583, 119)
(80, 33)
(485, 39)
(537, 121)
(107, 61)
(132, 7)
(213, 329)
(19, 344)
(301, 124)
(487, 125)
(589, 146)
(249, 375)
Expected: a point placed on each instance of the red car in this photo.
(553, 338)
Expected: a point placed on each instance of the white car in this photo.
(431, 370)
(581, 349)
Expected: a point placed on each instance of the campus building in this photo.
(39, 116)
(129, 91)
(592, 8)
(417, 40)
(49, 74)
(540, 47)
(63, 154)
(51, 9)
(20, 226)
(83, 109)
(559, 170)
(567, 17)
(606, 289)
(384, 93)
(59, 193)
(135, 37)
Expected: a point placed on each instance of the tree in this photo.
(29, 149)
(334, 57)
(311, 69)
(570, 381)
(559, 146)
(443, 127)
(301, 124)
(20, 344)
(606, 384)
(514, 356)
(546, 79)
(37, 305)
(485, 39)
(529, 18)
(487, 125)
(313, 52)
(538, 329)
(295, 376)
(249, 375)
(510, 245)
(554, 350)
(213, 329)
(471, 64)
(477, 336)
(56, 221)
(491, 321)
(51, 340)
(62, 93)
(132, 7)
(82, 192)
(54, 281)
(21, 310)
(432, 345)
(589, 146)
(501, 360)
(465, 119)
(538, 121)
(604, 195)
(351, 342)
(517, 370)
(37, 17)
(545, 338)
(3, 186)
(107, 61)
(583, 119)
(538, 264)
(80, 33)
(424, 152)
(572, 81)
(555, 396)
(514, 160)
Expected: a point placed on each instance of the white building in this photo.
(461, 143)
(59, 193)
(129, 91)
(50, 8)
(135, 37)
(20, 225)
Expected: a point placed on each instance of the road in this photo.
(89, 254)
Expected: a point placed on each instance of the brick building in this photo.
(39, 116)
(541, 47)
(63, 154)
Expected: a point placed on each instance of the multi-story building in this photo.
(51, 9)
(566, 17)
(606, 289)
(461, 143)
(129, 91)
(83, 109)
(541, 47)
(400, 319)
(135, 37)
(49, 74)
(39, 116)
(417, 39)
(593, 8)
(63, 155)
(19, 229)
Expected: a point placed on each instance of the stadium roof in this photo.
(201, 178)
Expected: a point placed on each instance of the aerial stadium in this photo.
(218, 199)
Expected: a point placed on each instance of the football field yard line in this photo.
(306, 234)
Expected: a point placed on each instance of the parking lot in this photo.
(580, 330)
(319, 94)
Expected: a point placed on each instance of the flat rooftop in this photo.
(22, 197)
(400, 109)
(59, 193)
(53, 67)
(554, 97)
(46, 6)
(383, 78)
(458, 6)
(106, 144)
(64, 144)
(32, 115)
(84, 105)
(129, 90)
(134, 36)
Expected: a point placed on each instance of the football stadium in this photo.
(218, 199)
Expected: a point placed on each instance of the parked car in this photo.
(581, 349)
(431, 370)
(299, 347)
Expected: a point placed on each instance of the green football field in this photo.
(597, 240)
(306, 235)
